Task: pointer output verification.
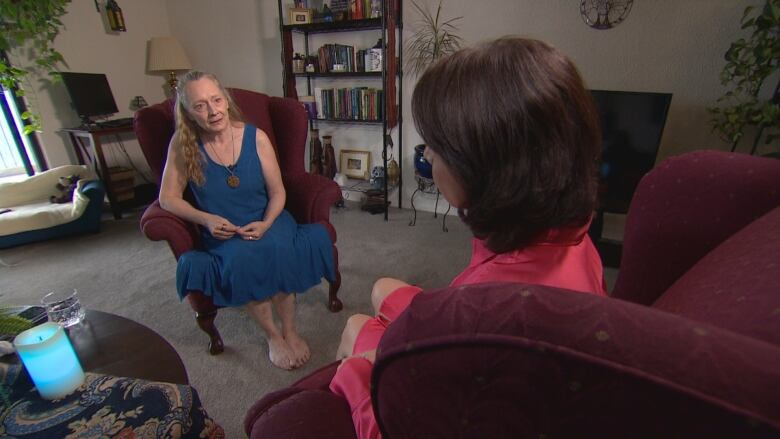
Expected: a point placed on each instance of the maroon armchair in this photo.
(688, 346)
(309, 197)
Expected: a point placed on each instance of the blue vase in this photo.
(424, 169)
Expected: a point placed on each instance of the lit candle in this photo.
(50, 360)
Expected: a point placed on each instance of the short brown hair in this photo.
(514, 122)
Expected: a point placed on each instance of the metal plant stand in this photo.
(427, 186)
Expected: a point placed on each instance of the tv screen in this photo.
(90, 94)
(631, 128)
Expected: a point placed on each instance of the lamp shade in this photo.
(166, 54)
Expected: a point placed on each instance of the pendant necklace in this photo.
(233, 181)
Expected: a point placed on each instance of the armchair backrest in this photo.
(515, 360)
(685, 207)
(284, 120)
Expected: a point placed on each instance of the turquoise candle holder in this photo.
(50, 360)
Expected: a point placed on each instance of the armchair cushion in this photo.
(728, 287)
(685, 207)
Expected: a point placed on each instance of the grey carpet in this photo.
(120, 272)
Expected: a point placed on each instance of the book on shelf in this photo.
(357, 103)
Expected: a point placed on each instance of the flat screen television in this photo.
(631, 127)
(90, 93)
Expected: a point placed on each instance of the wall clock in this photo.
(604, 14)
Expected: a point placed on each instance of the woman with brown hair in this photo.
(513, 137)
(254, 253)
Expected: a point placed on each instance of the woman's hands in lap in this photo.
(254, 230)
(220, 228)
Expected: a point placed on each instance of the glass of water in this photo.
(63, 307)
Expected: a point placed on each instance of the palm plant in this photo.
(434, 39)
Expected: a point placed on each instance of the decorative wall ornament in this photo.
(604, 14)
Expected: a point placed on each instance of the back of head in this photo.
(514, 122)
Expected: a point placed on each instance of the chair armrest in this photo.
(535, 359)
(310, 197)
(94, 190)
(295, 413)
(158, 224)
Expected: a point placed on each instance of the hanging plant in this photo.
(434, 38)
(749, 62)
(29, 27)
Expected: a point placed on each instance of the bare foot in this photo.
(280, 353)
(300, 348)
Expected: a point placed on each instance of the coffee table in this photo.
(114, 345)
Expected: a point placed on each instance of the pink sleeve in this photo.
(352, 382)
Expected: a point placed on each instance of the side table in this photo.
(113, 345)
(427, 186)
(86, 142)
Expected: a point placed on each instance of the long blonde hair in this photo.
(187, 131)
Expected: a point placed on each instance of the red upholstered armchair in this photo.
(688, 346)
(309, 197)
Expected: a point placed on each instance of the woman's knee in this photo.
(382, 288)
(353, 326)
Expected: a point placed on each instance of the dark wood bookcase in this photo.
(389, 28)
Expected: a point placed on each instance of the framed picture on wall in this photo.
(300, 16)
(355, 163)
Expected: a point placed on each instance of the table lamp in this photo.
(166, 55)
(49, 358)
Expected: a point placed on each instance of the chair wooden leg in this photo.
(206, 323)
(334, 304)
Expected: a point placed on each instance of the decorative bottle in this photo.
(329, 159)
(315, 153)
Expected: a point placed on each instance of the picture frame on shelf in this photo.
(355, 163)
(300, 16)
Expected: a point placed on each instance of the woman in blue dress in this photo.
(254, 254)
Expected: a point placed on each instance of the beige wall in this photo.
(238, 40)
(672, 46)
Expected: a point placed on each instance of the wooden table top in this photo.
(114, 345)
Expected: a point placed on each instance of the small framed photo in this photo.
(355, 163)
(300, 16)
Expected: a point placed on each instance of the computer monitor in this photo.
(91, 95)
(632, 124)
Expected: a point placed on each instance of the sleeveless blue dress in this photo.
(288, 258)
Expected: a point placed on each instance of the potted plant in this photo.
(29, 27)
(749, 62)
(433, 39)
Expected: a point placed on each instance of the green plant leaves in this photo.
(33, 25)
(434, 38)
(749, 62)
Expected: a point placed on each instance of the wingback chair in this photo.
(309, 197)
(687, 346)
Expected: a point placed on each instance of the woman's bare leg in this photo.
(285, 307)
(279, 351)
(349, 335)
(382, 288)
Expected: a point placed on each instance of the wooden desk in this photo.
(87, 145)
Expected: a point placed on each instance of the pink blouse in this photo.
(563, 258)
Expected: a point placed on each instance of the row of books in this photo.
(366, 60)
(352, 9)
(358, 103)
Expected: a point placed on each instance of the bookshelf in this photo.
(363, 107)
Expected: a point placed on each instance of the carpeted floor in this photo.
(121, 272)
